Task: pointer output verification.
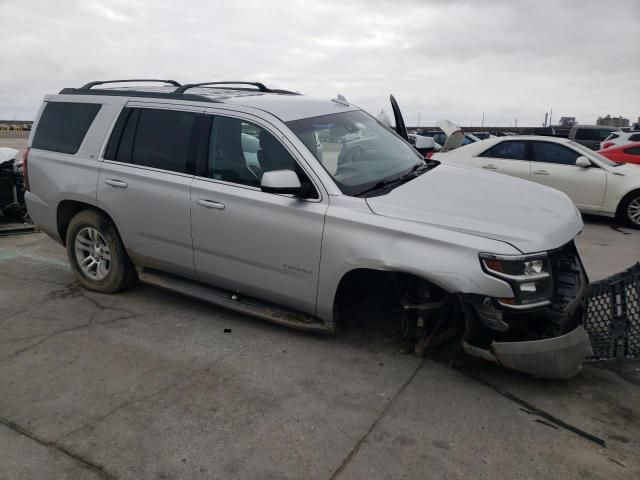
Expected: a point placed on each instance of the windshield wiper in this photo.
(417, 170)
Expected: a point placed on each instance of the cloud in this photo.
(451, 59)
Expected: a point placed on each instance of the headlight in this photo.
(529, 277)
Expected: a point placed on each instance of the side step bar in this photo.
(232, 301)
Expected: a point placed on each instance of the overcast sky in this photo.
(441, 59)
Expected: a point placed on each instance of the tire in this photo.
(92, 239)
(629, 210)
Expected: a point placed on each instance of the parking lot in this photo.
(149, 384)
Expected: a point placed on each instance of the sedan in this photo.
(596, 184)
(629, 153)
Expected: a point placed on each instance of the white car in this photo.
(619, 138)
(594, 183)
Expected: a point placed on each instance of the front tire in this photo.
(629, 211)
(96, 253)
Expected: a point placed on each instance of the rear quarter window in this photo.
(63, 126)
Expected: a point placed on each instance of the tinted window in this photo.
(152, 138)
(553, 153)
(613, 136)
(240, 152)
(633, 151)
(507, 150)
(592, 134)
(635, 137)
(63, 125)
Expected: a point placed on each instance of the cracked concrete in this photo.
(147, 384)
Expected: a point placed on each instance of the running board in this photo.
(232, 301)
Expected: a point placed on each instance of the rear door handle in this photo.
(210, 204)
(489, 167)
(112, 182)
(541, 172)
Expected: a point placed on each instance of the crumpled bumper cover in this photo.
(558, 357)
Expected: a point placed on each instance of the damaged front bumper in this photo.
(558, 357)
(547, 342)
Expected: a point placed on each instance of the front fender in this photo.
(356, 238)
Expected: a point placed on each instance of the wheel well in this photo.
(370, 289)
(624, 199)
(67, 209)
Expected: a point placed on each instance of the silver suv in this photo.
(296, 209)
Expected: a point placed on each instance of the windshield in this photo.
(590, 153)
(356, 150)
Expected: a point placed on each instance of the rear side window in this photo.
(635, 137)
(633, 151)
(613, 136)
(152, 138)
(553, 153)
(63, 126)
(592, 134)
(507, 150)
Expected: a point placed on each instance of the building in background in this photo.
(610, 121)
(567, 122)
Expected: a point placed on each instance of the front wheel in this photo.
(630, 210)
(96, 253)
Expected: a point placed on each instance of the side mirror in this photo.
(583, 162)
(281, 181)
(425, 142)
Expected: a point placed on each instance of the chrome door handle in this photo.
(541, 172)
(112, 182)
(489, 167)
(210, 204)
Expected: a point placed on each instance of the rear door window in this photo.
(548, 152)
(507, 151)
(635, 137)
(592, 134)
(63, 126)
(152, 138)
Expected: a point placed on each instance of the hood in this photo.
(529, 216)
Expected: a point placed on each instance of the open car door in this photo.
(455, 135)
(401, 129)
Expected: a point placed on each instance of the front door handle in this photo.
(489, 167)
(112, 182)
(210, 204)
(541, 172)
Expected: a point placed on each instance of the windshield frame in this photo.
(356, 190)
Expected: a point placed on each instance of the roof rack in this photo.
(177, 94)
(260, 86)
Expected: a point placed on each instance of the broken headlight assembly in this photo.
(528, 275)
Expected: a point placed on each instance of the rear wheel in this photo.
(629, 211)
(96, 253)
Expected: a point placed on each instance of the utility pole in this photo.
(482, 124)
(516, 123)
(546, 115)
(418, 118)
(551, 117)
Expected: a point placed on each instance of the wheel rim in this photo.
(92, 253)
(633, 210)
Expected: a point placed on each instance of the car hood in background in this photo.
(528, 216)
(7, 154)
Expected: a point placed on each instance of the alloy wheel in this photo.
(92, 253)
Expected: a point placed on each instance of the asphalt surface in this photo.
(148, 384)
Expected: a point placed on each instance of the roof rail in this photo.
(93, 84)
(260, 86)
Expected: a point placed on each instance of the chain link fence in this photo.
(612, 318)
